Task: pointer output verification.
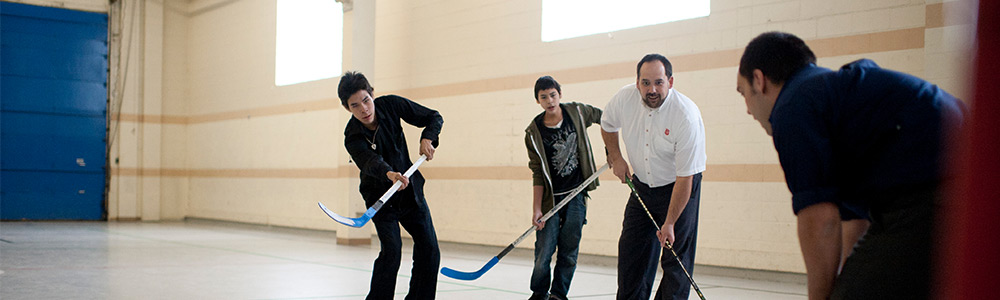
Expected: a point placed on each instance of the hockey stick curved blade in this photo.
(353, 222)
(362, 220)
(452, 273)
(472, 276)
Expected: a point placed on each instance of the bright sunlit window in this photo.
(309, 41)
(563, 19)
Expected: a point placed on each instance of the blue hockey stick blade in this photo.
(353, 222)
(469, 276)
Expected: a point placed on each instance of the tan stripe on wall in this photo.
(715, 172)
(154, 119)
(238, 173)
(317, 105)
(934, 15)
(903, 39)
(912, 38)
(949, 13)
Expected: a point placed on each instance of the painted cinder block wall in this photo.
(206, 134)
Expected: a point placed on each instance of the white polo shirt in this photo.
(661, 143)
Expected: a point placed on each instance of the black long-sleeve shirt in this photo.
(391, 152)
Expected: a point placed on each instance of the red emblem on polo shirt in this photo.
(666, 131)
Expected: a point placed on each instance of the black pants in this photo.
(893, 259)
(426, 255)
(639, 249)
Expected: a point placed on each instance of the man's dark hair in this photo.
(546, 82)
(667, 68)
(777, 54)
(351, 83)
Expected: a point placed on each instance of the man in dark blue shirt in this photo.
(860, 139)
(374, 138)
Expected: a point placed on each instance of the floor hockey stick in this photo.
(670, 247)
(474, 275)
(363, 219)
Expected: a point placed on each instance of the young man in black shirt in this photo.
(374, 138)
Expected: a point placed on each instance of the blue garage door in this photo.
(53, 93)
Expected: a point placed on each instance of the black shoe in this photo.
(538, 297)
(554, 297)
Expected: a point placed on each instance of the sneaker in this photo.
(554, 297)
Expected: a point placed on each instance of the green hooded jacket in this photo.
(582, 116)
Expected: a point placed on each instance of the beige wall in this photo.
(216, 139)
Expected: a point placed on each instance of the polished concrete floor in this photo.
(199, 259)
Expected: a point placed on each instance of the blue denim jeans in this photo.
(561, 232)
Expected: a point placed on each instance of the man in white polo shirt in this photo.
(665, 138)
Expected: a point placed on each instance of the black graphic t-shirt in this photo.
(561, 150)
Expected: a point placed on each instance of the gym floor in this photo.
(198, 259)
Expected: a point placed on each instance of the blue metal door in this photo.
(53, 101)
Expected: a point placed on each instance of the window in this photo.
(309, 41)
(563, 19)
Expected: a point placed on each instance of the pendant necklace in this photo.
(372, 141)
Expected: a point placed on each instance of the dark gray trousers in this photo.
(639, 249)
(893, 259)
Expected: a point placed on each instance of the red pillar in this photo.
(970, 256)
